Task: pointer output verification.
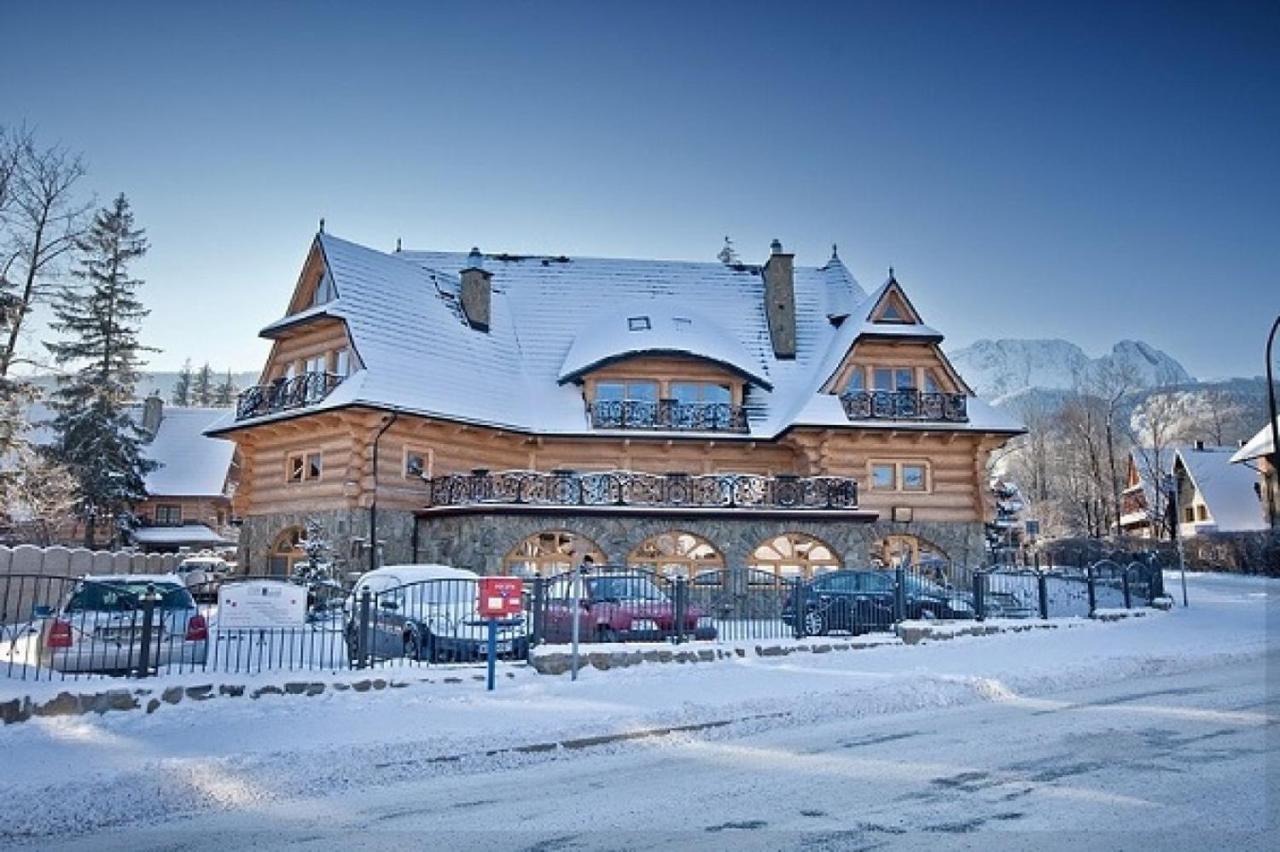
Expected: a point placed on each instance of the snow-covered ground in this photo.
(340, 767)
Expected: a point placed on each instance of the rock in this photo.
(153, 705)
(551, 664)
(231, 691)
(361, 686)
(821, 649)
(912, 635)
(600, 661)
(379, 683)
(453, 680)
(771, 650)
(266, 690)
(741, 652)
(398, 684)
(844, 646)
(172, 695)
(118, 699)
(341, 686)
(295, 688)
(200, 693)
(664, 656)
(16, 710)
(706, 655)
(63, 704)
(650, 656)
(314, 689)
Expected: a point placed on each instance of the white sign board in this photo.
(261, 604)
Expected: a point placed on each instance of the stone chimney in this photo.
(152, 414)
(780, 300)
(477, 293)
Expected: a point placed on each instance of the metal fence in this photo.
(69, 627)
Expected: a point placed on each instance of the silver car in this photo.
(99, 626)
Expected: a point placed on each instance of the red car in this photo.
(620, 608)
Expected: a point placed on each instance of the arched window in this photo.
(793, 555)
(910, 552)
(551, 552)
(285, 551)
(676, 554)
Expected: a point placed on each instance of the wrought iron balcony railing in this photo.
(633, 489)
(283, 394)
(906, 405)
(667, 414)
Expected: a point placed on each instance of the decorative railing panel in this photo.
(633, 489)
(284, 394)
(667, 414)
(906, 405)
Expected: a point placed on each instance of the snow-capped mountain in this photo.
(999, 368)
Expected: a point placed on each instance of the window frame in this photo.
(304, 472)
(899, 477)
(163, 512)
(428, 461)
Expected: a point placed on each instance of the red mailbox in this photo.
(500, 597)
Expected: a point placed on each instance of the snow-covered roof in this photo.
(419, 354)
(189, 534)
(1257, 446)
(1227, 489)
(657, 327)
(192, 465)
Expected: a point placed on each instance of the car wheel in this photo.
(928, 614)
(815, 623)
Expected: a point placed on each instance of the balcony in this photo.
(285, 394)
(667, 415)
(906, 405)
(629, 489)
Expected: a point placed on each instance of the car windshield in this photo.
(625, 589)
(109, 596)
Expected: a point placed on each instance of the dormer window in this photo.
(324, 291)
(638, 324)
(709, 392)
(892, 314)
(627, 390)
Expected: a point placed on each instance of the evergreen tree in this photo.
(202, 387)
(224, 395)
(96, 438)
(182, 388)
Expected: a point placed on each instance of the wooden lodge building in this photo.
(513, 413)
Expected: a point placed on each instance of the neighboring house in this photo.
(1258, 454)
(519, 412)
(189, 495)
(1145, 501)
(1215, 496)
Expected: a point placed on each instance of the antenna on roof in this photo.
(322, 224)
(397, 245)
(891, 278)
(835, 254)
(727, 255)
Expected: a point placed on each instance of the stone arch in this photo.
(792, 555)
(676, 553)
(551, 552)
(286, 550)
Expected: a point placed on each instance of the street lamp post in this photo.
(1177, 531)
(1275, 427)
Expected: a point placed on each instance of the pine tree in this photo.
(224, 395)
(182, 388)
(96, 438)
(202, 387)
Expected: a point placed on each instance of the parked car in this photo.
(426, 612)
(203, 575)
(862, 601)
(620, 607)
(98, 627)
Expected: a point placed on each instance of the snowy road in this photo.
(1155, 734)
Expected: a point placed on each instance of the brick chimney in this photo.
(780, 300)
(477, 293)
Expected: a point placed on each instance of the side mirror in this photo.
(42, 612)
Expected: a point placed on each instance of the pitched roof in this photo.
(1227, 489)
(192, 465)
(404, 315)
(1257, 446)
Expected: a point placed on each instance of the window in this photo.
(899, 476)
(700, 392)
(892, 314)
(324, 291)
(551, 552)
(914, 477)
(303, 467)
(168, 516)
(882, 477)
(931, 382)
(342, 363)
(1202, 514)
(315, 364)
(640, 390)
(857, 380)
(894, 378)
(638, 324)
(417, 462)
(676, 554)
(1189, 514)
(794, 555)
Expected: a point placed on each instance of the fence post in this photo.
(979, 595)
(681, 607)
(1042, 582)
(800, 598)
(149, 600)
(537, 617)
(1128, 592)
(899, 594)
(1093, 591)
(362, 630)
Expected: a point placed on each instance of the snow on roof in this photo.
(1257, 446)
(657, 327)
(186, 534)
(404, 315)
(192, 465)
(1227, 489)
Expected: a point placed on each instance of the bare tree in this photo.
(1111, 384)
(1158, 423)
(44, 222)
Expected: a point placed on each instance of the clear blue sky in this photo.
(1091, 172)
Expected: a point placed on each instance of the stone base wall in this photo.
(342, 527)
(480, 542)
